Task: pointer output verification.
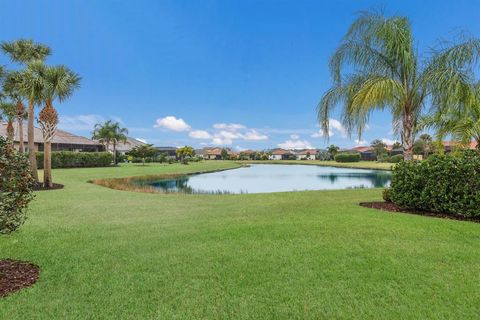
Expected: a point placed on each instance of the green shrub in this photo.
(69, 159)
(16, 183)
(347, 157)
(396, 158)
(442, 183)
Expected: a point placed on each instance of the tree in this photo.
(377, 66)
(110, 133)
(224, 154)
(31, 55)
(332, 150)
(396, 145)
(427, 144)
(379, 147)
(8, 113)
(59, 84)
(457, 115)
(184, 152)
(143, 151)
(12, 90)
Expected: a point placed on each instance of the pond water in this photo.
(261, 178)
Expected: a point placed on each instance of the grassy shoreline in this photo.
(294, 255)
(373, 165)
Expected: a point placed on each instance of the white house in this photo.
(307, 154)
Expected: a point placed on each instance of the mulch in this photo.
(16, 275)
(40, 187)
(391, 207)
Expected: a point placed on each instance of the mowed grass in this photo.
(357, 165)
(108, 254)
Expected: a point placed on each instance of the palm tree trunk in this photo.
(31, 142)
(10, 131)
(408, 135)
(114, 154)
(47, 165)
(21, 146)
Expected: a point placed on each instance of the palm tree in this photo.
(8, 113)
(457, 115)
(11, 89)
(59, 83)
(110, 133)
(30, 54)
(377, 66)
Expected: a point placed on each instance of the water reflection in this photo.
(273, 178)
(378, 179)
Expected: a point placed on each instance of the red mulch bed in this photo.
(389, 206)
(16, 275)
(40, 187)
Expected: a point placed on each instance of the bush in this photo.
(16, 183)
(396, 158)
(69, 159)
(347, 157)
(442, 183)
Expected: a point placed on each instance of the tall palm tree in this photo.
(458, 116)
(59, 84)
(110, 133)
(11, 89)
(30, 54)
(377, 66)
(8, 113)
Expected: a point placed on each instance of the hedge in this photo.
(16, 183)
(347, 157)
(391, 159)
(447, 184)
(69, 159)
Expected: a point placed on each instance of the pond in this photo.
(262, 178)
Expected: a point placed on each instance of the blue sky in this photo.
(243, 74)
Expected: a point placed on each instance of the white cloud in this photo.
(199, 134)
(319, 134)
(295, 144)
(172, 123)
(294, 136)
(359, 142)
(253, 135)
(221, 141)
(388, 141)
(141, 140)
(80, 122)
(334, 126)
(338, 126)
(229, 126)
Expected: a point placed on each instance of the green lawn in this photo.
(359, 165)
(108, 254)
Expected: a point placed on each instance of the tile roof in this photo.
(62, 137)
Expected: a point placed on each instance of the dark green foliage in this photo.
(16, 183)
(69, 159)
(442, 183)
(396, 158)
(347, 157)
(390, 159)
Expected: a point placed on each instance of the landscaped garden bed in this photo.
(16, 275)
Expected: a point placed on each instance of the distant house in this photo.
(306, 154)
(216, 153)
(124, 147)
(62, 141)
(170, 152)
(366, 153)
(280, 154)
